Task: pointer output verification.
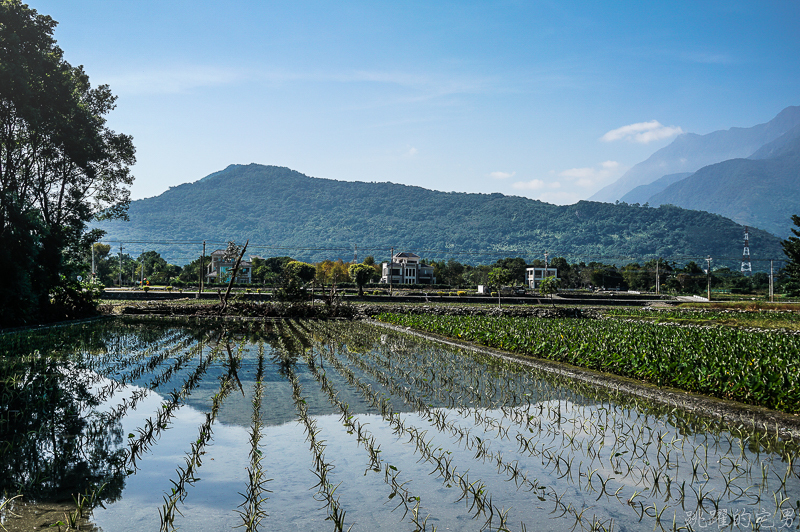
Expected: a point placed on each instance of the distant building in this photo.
(217, 269)
(406, 268)
(534, 276)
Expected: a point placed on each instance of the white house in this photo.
(406, 268)
(217, 269)
(534, 276)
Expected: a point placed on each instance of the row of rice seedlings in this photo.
(120, 355)
(154, 354)
(137, 446)
(157, 381)
(326, 490)
(193, 461)
(366, 439)
(480, 445)
(475, 494)
(253, 511)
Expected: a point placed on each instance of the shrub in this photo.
(461, 293)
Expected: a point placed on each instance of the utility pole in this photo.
(93, 272)
(708, 277)
(355, 255)
(391, 270)
(141, 273)
(202, 268)
(545, 264)
(771, 285)
(658, 279)
(120, 265)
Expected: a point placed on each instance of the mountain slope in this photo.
(690, 152)
(315, 219)
(643, 193)
(759, 192)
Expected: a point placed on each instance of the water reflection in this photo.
(405, 431)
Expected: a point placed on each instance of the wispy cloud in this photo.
(535, 184)
(591, 176)
(502, 175)
(642, 132)
(411, 152)
(172, 80)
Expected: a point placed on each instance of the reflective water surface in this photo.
(330, 425)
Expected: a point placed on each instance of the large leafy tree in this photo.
(791, 246)
(60, 167)
(361, 275)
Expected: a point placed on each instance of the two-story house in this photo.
(534, 276)
(406, 268)
(218, 269)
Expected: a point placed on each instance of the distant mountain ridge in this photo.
(315, 219)
(643, 193)
(762, 191)
(690, 152)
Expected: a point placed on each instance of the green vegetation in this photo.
(61, 167)
(361, 274)
(262, 203)
(730, 318)
(791, 246)
(760, 369)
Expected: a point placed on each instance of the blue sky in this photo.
(549, 100)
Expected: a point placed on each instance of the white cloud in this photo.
(591, 176)
(642, 132)
(502, 175)
(412, 151)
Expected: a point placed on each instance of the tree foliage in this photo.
(60, 167)
(361, 275)
(791, 247)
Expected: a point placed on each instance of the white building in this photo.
(534, 276)
(218, 269)
(407, 269)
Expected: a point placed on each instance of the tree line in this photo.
(689, 278)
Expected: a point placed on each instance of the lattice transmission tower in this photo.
(746, 266)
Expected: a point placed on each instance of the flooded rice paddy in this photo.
(310, 425)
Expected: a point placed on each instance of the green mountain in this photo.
(690, 152)
(284, 212)
(763, 191)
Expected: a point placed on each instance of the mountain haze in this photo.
(643, 193)
(690, 152)
(316, 219)
(762, 192)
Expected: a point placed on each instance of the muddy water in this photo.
(120, 409)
